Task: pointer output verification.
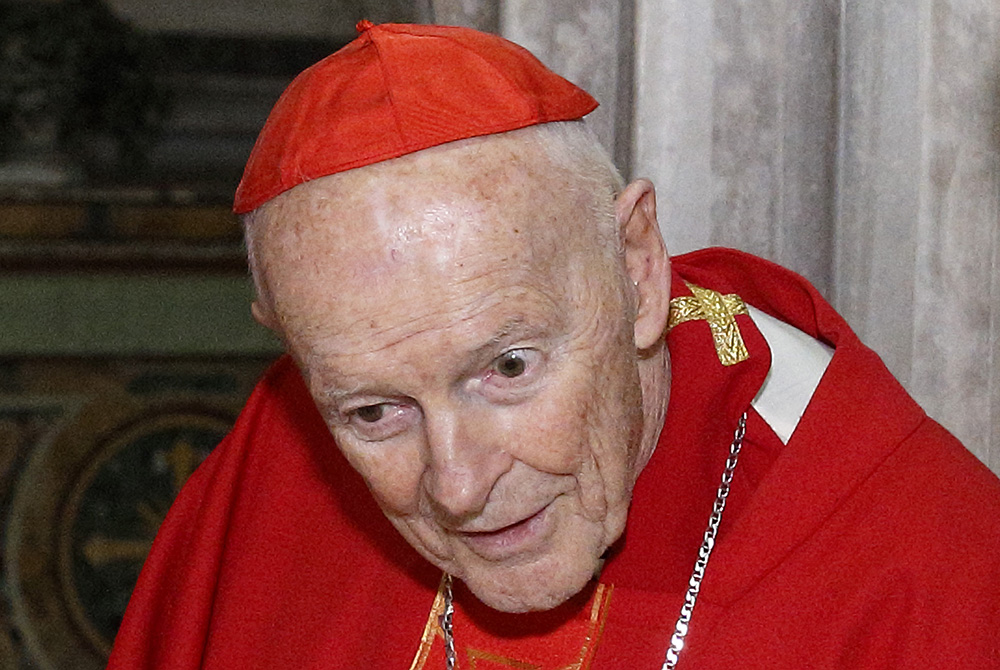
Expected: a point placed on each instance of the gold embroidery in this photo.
(431, 629)
(502, 661)
(720, 312)
(483, 660)
(598, 615)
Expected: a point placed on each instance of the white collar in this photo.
(798, 362)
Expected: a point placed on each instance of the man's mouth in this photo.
(509, 540)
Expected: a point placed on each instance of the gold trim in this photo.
(431, 629)
(476, 656)
(598, 617)
(720, 312)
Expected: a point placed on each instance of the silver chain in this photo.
(445, 621)
(694, 585)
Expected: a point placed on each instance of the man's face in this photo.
(470, 348)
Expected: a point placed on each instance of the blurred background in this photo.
(854, 142)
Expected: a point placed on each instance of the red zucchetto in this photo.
(397, 89)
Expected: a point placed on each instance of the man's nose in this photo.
(465, 460)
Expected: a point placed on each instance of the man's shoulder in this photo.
(943, 484)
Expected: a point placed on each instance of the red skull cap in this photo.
(397, 89)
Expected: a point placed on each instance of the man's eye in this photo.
(511, 364)
(370, 413)
(380, 421)
(512, 376)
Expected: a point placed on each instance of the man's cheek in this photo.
(594, 497)
(556, 452)
(395, 498)
(553, 438)
(393, 479)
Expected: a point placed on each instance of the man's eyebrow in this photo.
(513, 329)
(337, 395)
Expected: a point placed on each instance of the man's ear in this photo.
(646, 260)
(263, 315)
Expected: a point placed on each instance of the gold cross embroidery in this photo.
(720, 312)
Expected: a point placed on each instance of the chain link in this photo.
(694, 585)
(698, 574)
(445, 621)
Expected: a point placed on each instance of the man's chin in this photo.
(528, 590)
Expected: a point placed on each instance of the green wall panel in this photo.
(129, 314)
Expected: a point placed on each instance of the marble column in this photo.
(590, 43)
(478, 14)
(736, 125)
(918, 230)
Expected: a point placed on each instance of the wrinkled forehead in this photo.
(431, 236)
(496, 195)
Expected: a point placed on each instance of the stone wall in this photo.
(917, 268)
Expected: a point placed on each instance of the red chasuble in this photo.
(870, 540)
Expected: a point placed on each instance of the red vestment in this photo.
(870, 540)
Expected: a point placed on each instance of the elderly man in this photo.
(556, 424)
